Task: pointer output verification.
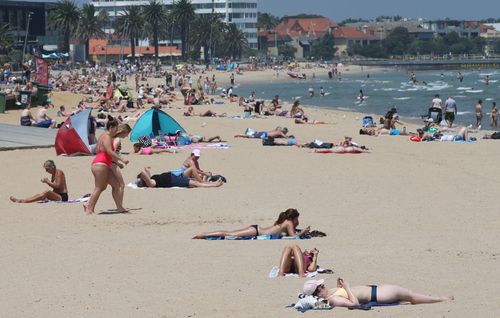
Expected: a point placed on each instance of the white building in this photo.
(242, 13)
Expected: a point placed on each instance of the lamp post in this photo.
(26, 36)
(172, 43)
(211, 31)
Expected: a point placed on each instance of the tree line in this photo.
(152, 22)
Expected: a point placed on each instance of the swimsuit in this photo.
(64, 196)
(373, 297)
(256, 227)
(180, 171)
(25, 121)
(103, 157)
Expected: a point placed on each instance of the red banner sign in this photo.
(42, 71)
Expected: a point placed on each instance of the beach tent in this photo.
(152, 122)
(73, 136)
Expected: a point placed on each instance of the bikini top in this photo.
(341, 292)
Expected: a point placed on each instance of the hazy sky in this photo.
(338, 10)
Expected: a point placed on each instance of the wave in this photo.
(463, 88)
(402, 98)
(474, 91)
(463, 113)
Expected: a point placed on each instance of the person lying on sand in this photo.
(193, 139)
(140, 150)
(374, 131)
(276, 133)
(170, 180)
(354, 297)
(270, 141)
(294, 261)
(57, 182)
(462, 135)
(286, 224)
(305, 121)
(208, 113)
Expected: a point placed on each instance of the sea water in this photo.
(387, 89)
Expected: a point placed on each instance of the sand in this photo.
(421, 215)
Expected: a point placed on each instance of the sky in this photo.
(338, 10)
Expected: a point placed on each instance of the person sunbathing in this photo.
(354, 297)
(270, 141)
(306, 121)
(186, 139)
(57, 182)
(191, 168)
(342, 149)
(286, 224)
(276, 133)
(294, 261)
(374, 131)
(140, 150)
(208, 113)
(170, 180)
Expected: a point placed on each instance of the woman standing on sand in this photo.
(286, 223)
(122, 132)
(102, 169)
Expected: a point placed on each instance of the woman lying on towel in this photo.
(285, 224)
(169, 180)
(208, 113)
(294, 261)
(342, 149)
(354, 297)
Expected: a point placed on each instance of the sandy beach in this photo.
(420, 215)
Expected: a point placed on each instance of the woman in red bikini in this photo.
(101, 169)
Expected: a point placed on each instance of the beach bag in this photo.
(268, 141)
(367, 121)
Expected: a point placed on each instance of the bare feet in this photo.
(86, 210)
(15, 200)
(197, 237)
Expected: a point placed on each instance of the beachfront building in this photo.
(347, 37)
(464, 29)
(492, 35)
(38, 35)
(381, 29)
(242, 13)
(296, 32)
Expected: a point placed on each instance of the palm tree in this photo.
(130, 24)
(65, 17)
(91, 25)
(206, 30)
(183, 14)
(155, 16)
(235, 41)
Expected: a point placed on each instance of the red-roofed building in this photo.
(298, 32)
(116, 48)
(346, 37)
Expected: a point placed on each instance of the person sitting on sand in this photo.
(57, 182)
(286, 224)
(354, 297)
(276, 133)
(27, 118)
(294, 261)
(297, 112)
(42, 119)
(170, 180)
(191, 168)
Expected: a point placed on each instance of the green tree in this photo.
(266, 21)
(130, 24)
(206, 30)
(91, 25)
(324, 48)
(65, 17)
(371, 50)
(287, 51)
(183, 16)
(235, 41)
(398, 41)
(6, 39)
(155, 16)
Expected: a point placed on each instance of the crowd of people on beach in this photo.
(102, 92)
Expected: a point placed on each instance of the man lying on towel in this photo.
(169, 180)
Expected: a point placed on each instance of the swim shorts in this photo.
(395, 132)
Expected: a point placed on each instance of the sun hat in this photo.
(196, 152)
(311, 285)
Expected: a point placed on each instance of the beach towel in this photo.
(84, 198)
(219, 145)
(327, 151)
(134, 186)
(260, 237)
(307, 302)
(275, 271)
